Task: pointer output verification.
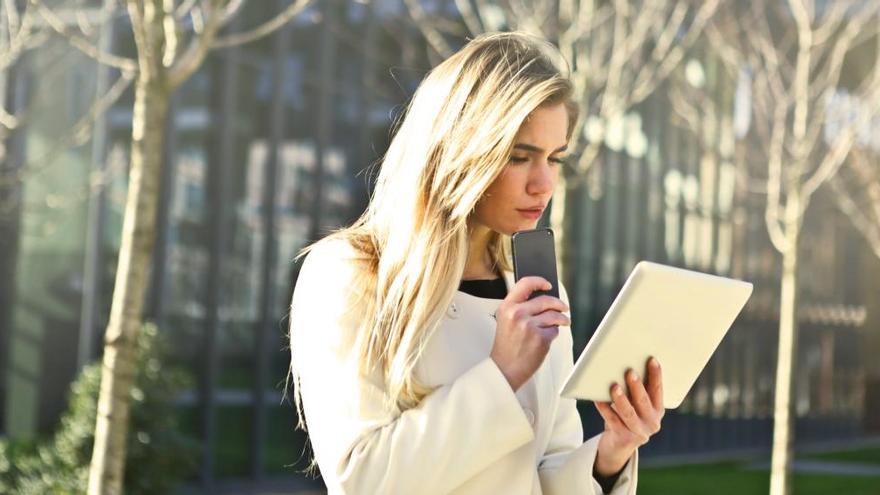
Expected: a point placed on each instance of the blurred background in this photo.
(268, 146)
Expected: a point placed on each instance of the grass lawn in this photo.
(866, 456)
(737, 479)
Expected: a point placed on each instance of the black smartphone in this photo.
(534, 254)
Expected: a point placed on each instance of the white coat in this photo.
(471, 436)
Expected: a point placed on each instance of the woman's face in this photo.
(518, 197)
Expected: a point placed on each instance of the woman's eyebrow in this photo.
(531, 147)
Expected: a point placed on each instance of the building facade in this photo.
(272, 144)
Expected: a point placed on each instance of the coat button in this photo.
(529, 416)
(453, 311)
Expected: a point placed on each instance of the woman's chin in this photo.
(522, 226)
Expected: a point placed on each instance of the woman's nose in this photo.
(542, 179)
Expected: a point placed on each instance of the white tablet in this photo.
(677, 315)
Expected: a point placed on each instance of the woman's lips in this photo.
(531, 214)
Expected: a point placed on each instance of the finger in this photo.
(524, 288)
(627, 413)
(541, 304)
(609, 415)
(548, 333)
(640, 400)
(654, 383)
(551, 319)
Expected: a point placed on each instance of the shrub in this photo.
(158, 456)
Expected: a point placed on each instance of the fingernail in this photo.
(633, 375)
(615, 390)
(653, 362)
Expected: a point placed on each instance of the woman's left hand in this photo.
(629, 421)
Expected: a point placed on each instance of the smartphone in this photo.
(534, 254)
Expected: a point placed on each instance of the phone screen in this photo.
(534, 254)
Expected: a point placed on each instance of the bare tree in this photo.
(24, 30)
(172, 39)
(795, 51)
(856, 192)
(20, 33)
(618, 51)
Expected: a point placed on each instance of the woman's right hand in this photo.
(525, 329)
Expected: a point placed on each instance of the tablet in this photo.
(677, 315)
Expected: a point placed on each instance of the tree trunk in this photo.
(783, 420)
(132, 274)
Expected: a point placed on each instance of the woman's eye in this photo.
(523, 159)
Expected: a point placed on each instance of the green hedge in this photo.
(158, 456)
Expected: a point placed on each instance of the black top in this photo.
(489, 289)
(496, 289)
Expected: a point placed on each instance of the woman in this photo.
(420, 367)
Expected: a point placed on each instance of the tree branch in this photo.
(8, 121)
(801, 82)
(610, 96)
(80, 43)
(78, 133)
(435, 39)
(852, 35)
(830, 23)
(674, 56)
(834, 159)
(198, 48)
(22, 38)
(531, 19)
(136, 16)
(845, 140)
(169, 26)
(473, 23)
(668, 58)
(184, 9)
(869, 179)
(866, 226)
(262, 30)
(230, 11)
(774, 181)
(687, 107)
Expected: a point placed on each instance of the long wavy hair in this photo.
(455, 139)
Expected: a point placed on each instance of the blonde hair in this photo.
(455, 139)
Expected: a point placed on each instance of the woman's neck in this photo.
(479, 263)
